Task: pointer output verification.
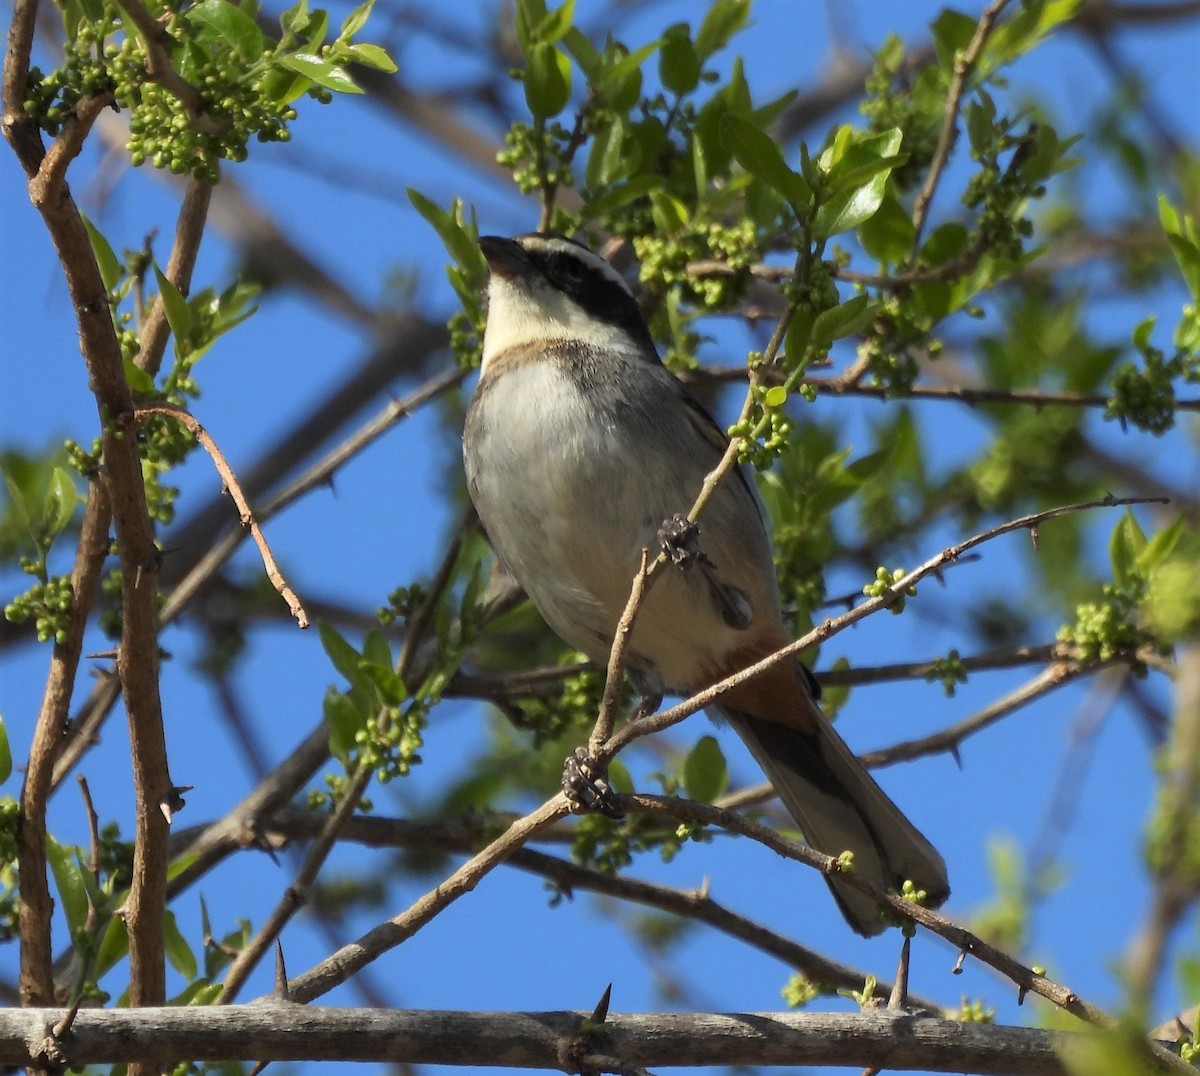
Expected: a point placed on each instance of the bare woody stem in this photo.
(137, 661)
(229, 479)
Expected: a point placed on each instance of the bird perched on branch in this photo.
(579, 446)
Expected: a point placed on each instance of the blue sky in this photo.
(384, 521)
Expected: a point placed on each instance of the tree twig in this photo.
(231, 484)
(964, 64)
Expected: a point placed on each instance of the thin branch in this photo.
(1058, 674)
(230, 482)
(189, 230)
(297, 893)
(832, 626)
(606, 718)
(243, 826)
(36, 905)
(1023, 977)
(83, 730)
(158, 43)
(219, 550)
(65, 148)
(970, 395)
(694, 904)
(964, 64)
(339, 966)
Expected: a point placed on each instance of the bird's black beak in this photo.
(505, 257)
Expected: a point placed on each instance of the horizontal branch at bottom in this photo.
(282, 1031)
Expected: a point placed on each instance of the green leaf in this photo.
(888, 235)
(106, 260)
(284, 86)
(1184, 241)
(554, 25)
(5, 754)
(372, 56)
(1126, 542)
(1029, 24)
(1161, 546)
(356, 20)
(323, 72)
(231, 25)
(705, 773)
(799, 333)
(669, 213)
(344, 721)
(619, 778)
(722, 20)
(140, 383)
(758, 154)
(678, 64)
(68, 879)
(59, 506)
(344, 657)
(952, 32)
(584, 53)
(179, 954)
(114, 945)
(391, 688)
(377, 650)
(529, 15)
(620, 84)
(179, 314)
(295, 18)
(945, 243)
(857, 169)
(843, 320)
(622, 194)
(200, 991)
(547, 81)
(461, 243)
(606, 163)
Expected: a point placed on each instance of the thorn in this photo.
(899, 996)
(282, 993)
(600, 1012)
(956, 756)
(151, 564)
(958, 964)
(64, 1025)
(104, 655)
(1033, 537)
(174, 802)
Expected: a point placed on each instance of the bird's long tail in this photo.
(838, 807)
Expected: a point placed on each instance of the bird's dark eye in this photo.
(568, 273)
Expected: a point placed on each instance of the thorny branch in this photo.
(245, 512)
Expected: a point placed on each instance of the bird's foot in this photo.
(585, 784)
(647, 704)
(679, 539)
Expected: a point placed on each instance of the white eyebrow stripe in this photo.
(552, 244)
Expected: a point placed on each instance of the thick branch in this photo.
(549, 1040)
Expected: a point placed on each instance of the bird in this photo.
(578, 446)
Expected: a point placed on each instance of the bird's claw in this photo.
(585, 784)
(679, 539)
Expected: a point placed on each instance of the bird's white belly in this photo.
(569, 503)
